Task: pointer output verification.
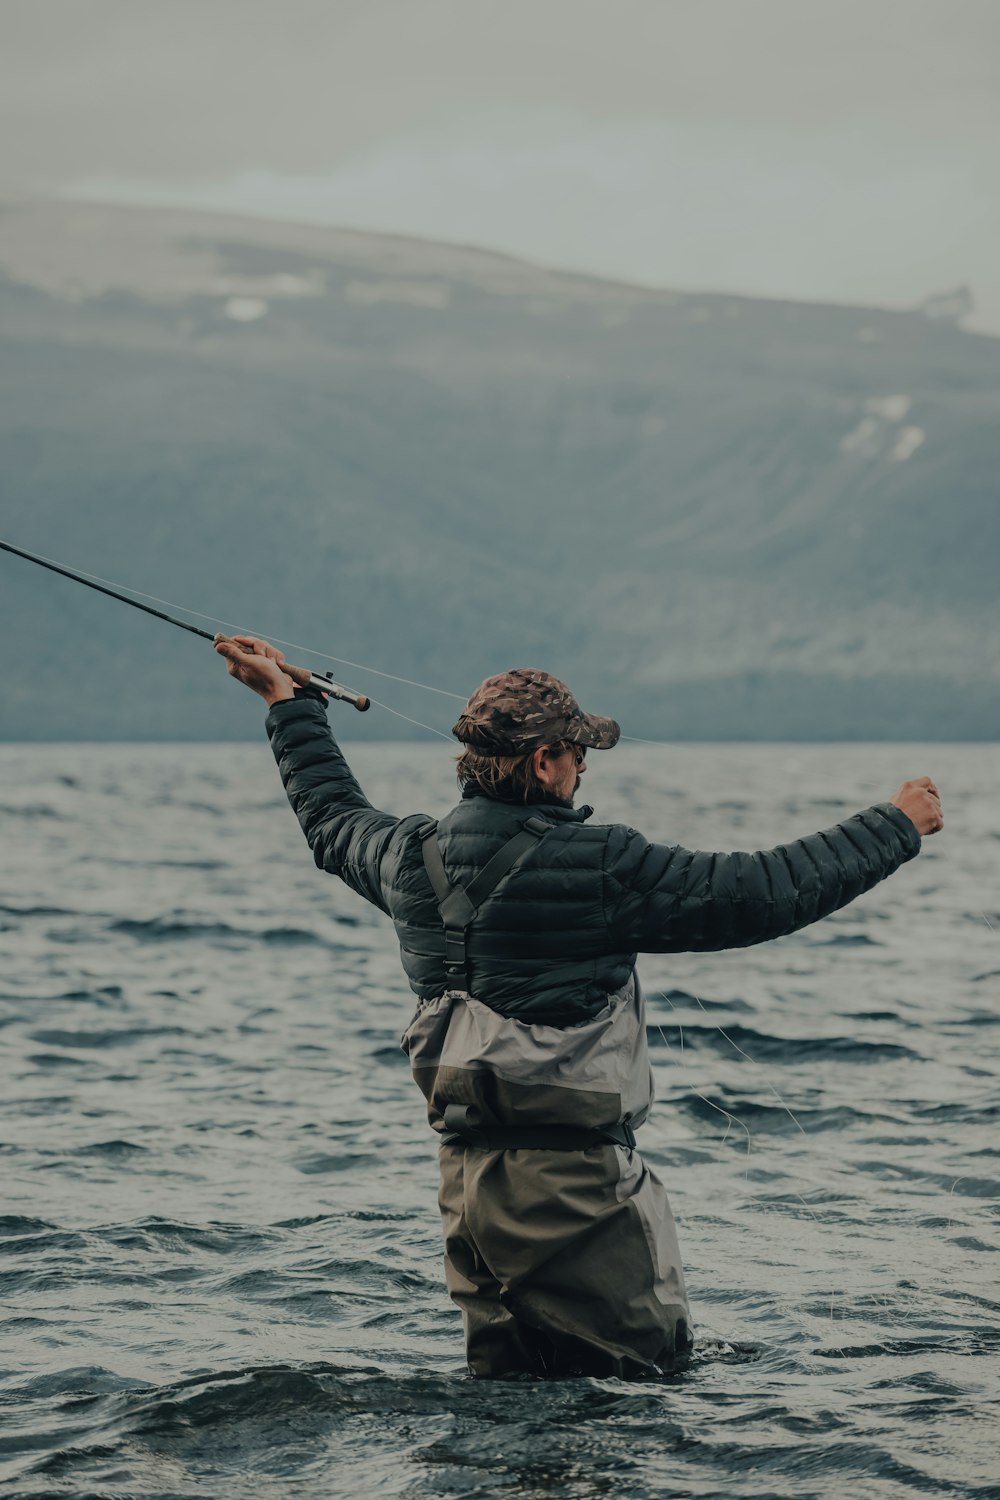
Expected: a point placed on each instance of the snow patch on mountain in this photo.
(909, 440)
(872, 432)
(892, 408)
(864, 438)
(245, 309)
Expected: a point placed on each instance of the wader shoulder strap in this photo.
(457, 906)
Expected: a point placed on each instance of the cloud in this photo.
(138, 88)
(788, 147)
(824, 215)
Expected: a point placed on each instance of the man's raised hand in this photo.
(921, 802)
(258, 665)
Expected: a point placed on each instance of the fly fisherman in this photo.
(519, 922)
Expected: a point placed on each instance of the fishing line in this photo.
(729, 1115)
(361, 667)
(122, 591)
(243, 630)
(395, 711)
(278, 640)
(732, 1119)
(798, 1125)
(104, 584)
(815, 1151)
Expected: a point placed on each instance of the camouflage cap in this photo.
(519, 710)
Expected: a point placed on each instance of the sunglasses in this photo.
(579, 752)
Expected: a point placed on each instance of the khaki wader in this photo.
(563, 1262)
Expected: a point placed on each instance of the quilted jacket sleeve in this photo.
(346, 834)
(665, 899)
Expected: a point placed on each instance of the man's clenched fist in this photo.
(921, 802)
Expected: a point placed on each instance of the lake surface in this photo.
(220, 1265)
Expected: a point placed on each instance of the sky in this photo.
(824, 150)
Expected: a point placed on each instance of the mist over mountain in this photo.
(716, 517)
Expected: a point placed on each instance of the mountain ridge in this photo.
(722, 516)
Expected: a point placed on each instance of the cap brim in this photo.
(596, 732)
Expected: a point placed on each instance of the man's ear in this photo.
(541, 764)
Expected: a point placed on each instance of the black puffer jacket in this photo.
(563, 929)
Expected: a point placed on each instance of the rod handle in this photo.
(302, 677)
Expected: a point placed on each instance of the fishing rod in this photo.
(301, 676)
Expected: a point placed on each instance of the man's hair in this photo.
(508, 778)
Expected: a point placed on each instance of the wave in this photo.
(114, 1149)
(37, 911)
(169, 930)
(699, 1002)
(272, 1392)
(104, 1039)
(763, 1046)
(768, 1116)
(77, 1380)
(32, 810)
(849, 940)
(15, 1224)
(300, 1424)
(963, 1342)
(149, 1236)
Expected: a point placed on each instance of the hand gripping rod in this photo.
(299, 675)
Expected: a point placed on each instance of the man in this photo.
(519, 924)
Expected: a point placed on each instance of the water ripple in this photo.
(219, 1250)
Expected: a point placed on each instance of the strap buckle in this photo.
(454, 951)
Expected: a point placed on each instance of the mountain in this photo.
(716, 517)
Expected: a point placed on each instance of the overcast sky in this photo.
(836, 150)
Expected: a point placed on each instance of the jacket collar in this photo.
(549, 806)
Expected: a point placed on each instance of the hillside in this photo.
(716, 517)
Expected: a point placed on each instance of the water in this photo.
(219, 1257)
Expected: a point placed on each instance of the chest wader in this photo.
(560, 1246)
